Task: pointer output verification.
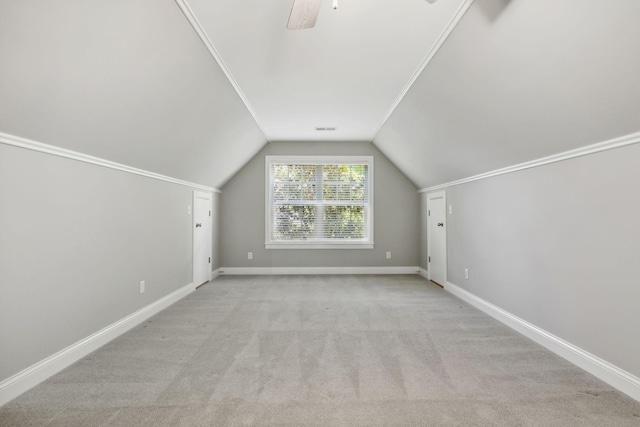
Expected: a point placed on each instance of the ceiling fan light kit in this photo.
(304, 14)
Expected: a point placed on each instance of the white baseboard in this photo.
(214, 274)
(317, 270)
(17, 384)
(424, 273)
(611, 374)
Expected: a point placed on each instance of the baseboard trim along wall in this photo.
(14, 386)
(424, 273)
(214, 274)
(611, 374)
(317, 270)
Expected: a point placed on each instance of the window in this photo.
(319, 202)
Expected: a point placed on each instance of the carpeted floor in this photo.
(322, 351)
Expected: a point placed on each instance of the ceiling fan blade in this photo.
(304, 14)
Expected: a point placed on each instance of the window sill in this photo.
(289, 245)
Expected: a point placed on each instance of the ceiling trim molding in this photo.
(188, 13)
(40, 147)
(622, 141)
(432, 52)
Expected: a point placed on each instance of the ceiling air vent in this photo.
(326, 128)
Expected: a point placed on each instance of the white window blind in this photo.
(319, 201)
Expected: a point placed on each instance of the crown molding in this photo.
(622, 141)
(40, 147)
(432, 52)
(191, 17)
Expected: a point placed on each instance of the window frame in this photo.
(366, 243)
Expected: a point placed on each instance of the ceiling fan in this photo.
(304, 13)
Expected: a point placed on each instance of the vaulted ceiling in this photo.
(193, 88)
(345, 73)
(519, 80)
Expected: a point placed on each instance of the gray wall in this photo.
(75, 241)
(558, 246)
(396, 209)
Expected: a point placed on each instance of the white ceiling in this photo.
(348, 72)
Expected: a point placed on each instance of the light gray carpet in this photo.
(325, 351)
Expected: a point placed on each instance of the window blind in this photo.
(314, 201)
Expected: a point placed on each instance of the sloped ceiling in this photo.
(127, 81)
(132, 82)
(516, 81)
(345, 73)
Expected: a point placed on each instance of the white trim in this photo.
(209, 241)
(188, 13)
(437, 195)
(622, 141)
(432, 52)
(424, 273)
(40, 147)
(319, 160)
(316, 270)
(611, 374)
(215, 274)
(316, 245)
(17, 384)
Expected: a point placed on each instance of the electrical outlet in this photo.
(466, 273)
(249, 255)
(388, 255)
(142, 287)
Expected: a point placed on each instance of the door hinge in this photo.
(209, 260)
(429, 213)
(429, 259)
(209, 213)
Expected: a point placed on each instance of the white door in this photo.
(202, 205)
(437, 237)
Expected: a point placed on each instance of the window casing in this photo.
(319, 202)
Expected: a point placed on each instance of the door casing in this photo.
(437, 212)
(202, 237)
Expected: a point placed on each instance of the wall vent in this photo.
(326, 128)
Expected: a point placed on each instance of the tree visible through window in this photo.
(315, 200)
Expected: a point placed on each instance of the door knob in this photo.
(198, 224)
(440, 224)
